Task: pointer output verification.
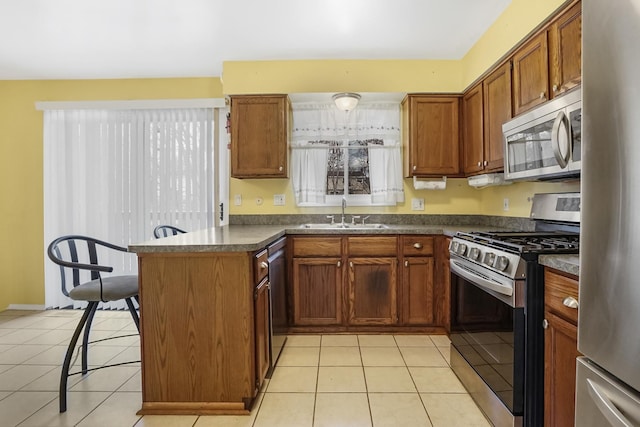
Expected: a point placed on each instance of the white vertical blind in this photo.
(116, 174)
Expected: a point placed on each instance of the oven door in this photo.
(489, 333)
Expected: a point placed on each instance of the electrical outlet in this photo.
(278, 200)
(417, 204)
(237, 200)
(505, 204)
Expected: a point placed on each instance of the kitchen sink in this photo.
(338, 226)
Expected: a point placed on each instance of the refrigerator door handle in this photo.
(606, 406)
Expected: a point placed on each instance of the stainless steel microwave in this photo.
(544, 144)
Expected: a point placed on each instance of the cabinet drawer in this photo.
(417, 245)
(317, 246)
(558, 287)
(372, 246)
(260, 265)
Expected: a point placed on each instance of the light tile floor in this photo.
(321, 380)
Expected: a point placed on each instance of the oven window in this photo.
(489, 334)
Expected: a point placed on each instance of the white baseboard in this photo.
(39, 307)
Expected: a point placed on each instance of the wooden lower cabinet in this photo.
(317, 291)
(561, 349)
(200, 328)
(372, 291)
(369, 283)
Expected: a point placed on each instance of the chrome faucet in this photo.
(344, 205)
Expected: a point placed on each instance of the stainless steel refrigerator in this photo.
(608, 377)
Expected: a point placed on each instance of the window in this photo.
(355, 155)
(115, 174)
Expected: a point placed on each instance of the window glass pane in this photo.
(335, 171)
(359, 168)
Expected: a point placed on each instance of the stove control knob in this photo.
(489, 258)
(474, 254)
(462, 249)
(454, 247)
(503, 263)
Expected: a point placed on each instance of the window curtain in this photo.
(116, 174)
(315, 125)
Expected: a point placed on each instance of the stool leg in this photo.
(85, 339)
(64, 375)
(133, 312)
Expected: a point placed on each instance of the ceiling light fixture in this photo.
(346, 101)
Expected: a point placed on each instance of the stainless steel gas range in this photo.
(497, 309)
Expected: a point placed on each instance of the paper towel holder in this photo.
(433, 184)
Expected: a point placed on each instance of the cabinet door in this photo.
(472, 131)
(261, 324)
(565, 51)
(372, 291)
(530, 74)
(497, 111)
(432, 140)
(259, 136)
(417, 291)
(317, 291)
(561, 351)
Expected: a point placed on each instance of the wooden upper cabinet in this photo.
(430, 135)
(565, 51)
(259, 136)
(497, 111)
(472, 130)
(530, 74)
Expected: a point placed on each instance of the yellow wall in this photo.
(21, 189)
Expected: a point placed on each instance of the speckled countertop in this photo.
(244, 238)
(566, 263)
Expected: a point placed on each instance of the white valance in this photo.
(317, 127)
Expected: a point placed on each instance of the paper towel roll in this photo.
(439, 184)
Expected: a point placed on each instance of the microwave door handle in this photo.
(561, 158)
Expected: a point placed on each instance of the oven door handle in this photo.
(465, 273)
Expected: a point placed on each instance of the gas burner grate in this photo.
(529, 242)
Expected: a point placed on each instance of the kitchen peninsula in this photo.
(205, 313)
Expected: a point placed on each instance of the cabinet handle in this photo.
(479, 163)
(339, 264)
(555, 88)
(406, 263)
(486, 163)
(350, 264)
(570, 302)
(264, 265)
(414, 167)
(280, 168)
(545, 323)
(541, 95)
(417, 245)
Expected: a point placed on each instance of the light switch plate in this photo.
(278, 200)
(505, 204)
(417, 204)
(237, 200)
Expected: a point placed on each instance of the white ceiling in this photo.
(78, 39)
